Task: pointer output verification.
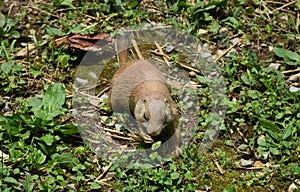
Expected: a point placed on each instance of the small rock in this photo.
(272, 188)
(147, 25)
(206, 188)
(235, 40)
(104, 96)
(118, 126)
(263, 157)
(93, 75)
(27, 25)
(103, 118)
(70, 187)
(202, 31)
(293, 89)
(284, 18)
(274, 65)
(275, 166)
(187, 61)
(220, 52)
(3, 156)
(192, 74)
(292, 188)
(81, 81)
(263, 45)
(206, 55)
(294, 77)
(205, 47)
(246, 163)
(223, 30)
(271, 48)
(32, 31)
(75, 112)
(169, 48)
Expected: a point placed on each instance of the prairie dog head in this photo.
(153, 114)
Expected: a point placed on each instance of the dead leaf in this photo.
(26, 50)
(83, 42)
(259, 164)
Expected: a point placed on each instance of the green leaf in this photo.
(17, 68)
(274, 151)
(229, 143)
(66, 129)
(66, 159)
(67, 2)
(253, 94)
(15, 34)
(200, 7)
(246, 79)
(39, 157)
(54, 97)
(6, 67)
(243, 147)
(289, 57)
(153, 156)
(202, 79)
(53, 31)
(11, 180)
(134, 4)
(25, 135)
(287, 132)
(95, 185)
(36, 71)
(269, 125)
(156, 145)
(118, 2)
(78, 167)
(261, 150)
(280, 52)
(214, 27)
(35, 103)
(261, 141)
(64, 60)
(174, 176)
(2, 20)
(53, 100)
(168, 182)
(188, 175)
(48, 139)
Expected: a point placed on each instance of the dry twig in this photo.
(291, 71)
(177, 62)
(165, 57)
(221, 170)
(137, 49)
(279, 8)
(104, 171)
(227, 50)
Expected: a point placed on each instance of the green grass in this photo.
(41, 149)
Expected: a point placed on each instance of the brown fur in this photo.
(139, 88)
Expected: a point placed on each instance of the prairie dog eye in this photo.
(166, 100)
(145, 101)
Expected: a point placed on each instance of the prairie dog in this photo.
(139, 88)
